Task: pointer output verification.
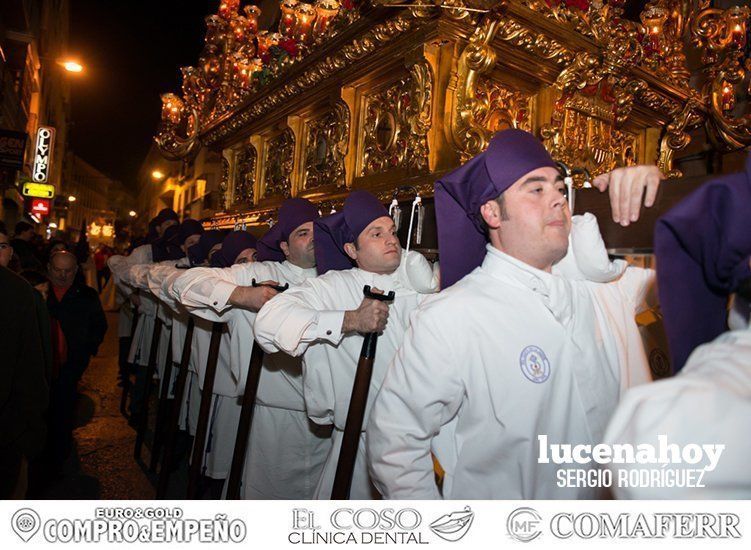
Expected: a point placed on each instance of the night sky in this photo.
(132, 51)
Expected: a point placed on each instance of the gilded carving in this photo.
(397, 121)
(278, 166)
(245, 175)
(326, 145)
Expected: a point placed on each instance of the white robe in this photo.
(307, 320)
(507, 353)
(147, 310)
(708, 402)
(285, 451)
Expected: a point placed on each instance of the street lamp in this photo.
(157, 175)
(71, 198)
(132, 213)
(70, 65)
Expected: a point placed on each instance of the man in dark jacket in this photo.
(78, 328)
(23, 248)
(23, 386)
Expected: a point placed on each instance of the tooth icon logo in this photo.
(25, 523)
(452, 527)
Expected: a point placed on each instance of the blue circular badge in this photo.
(534, 364)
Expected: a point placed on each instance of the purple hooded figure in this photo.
(292, 214)
(188, 228)
(459, 195)
(199, 252)
(332, 232)
(166, 247)
(166, 214)
(232, 246)
(702, 247)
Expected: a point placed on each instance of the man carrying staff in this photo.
(510, 351)
(286, 451)
(323, 318)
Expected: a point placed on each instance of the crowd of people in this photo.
(52, 325)
(526, 328)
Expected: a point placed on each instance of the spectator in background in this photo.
(78, 328)
(23, 387)
(103, 252)
(41, 285)
(6, 250)
(23, 247)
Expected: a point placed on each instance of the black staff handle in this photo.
(356, 413)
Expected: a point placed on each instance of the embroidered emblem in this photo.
(534, 364)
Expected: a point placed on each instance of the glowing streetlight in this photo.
(157, 175)
(132, 213)
(71, 198)
(71, 66)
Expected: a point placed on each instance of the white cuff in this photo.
(219, 299)
(329, 326)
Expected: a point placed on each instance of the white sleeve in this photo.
(137, 276)
(120, 265)
(208, 289)
(293, 319)
(636, 284)
(422, 392)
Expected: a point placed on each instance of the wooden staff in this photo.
(126, 377)
(143, 412)
(246, 412)
(356, 412)
(162, 408)
(174, 419)
(199, 442)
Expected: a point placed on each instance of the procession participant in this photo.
(511, 351)
(238, 247)
(208, 244)
(148, 277)
(322, 319)
(703, 249)
(164, 219)
(286, 451)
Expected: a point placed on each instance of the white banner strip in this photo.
(441, 524)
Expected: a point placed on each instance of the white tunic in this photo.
(307, 320)
(120, 267)
(708, 402)
(285, 452)
(507, 353)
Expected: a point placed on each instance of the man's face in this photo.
(190, 241)
(378, 249)
(62, 269)
(27, 235)
(299, 247)
(164, 225)
(536, 221)
(6, 251)
(247, 256)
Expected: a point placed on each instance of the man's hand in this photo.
(626, 186)
(253, 297)
(371, 316)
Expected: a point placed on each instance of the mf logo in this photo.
(523, 524)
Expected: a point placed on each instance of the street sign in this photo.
(43, 154)
(40, 207)
(38, 190)
(12, 147)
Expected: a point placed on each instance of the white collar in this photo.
(555, 292)
(303, 272)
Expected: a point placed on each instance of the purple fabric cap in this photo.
(167, 214)
(702, 246)
(188, 228)
(459, 195)
(332, 232)
(166, 247)
(232, 246)
(292, 214)
(200, 251)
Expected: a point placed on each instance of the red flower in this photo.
(583, 5)
(348, 4)
(289, 45)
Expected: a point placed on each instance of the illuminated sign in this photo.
(38, 190)
(12, 147)
(40, 207)
(43, 154)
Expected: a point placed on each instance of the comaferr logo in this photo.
(523, 524)
(589, 525)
